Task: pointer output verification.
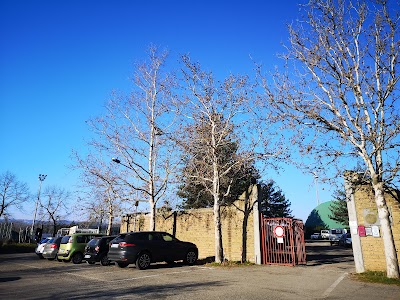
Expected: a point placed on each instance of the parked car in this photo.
(324, 234)
(40, 246)
(334, 235)
(144, 248)
(51, 248)
(72, 246)
(345, 240)
(315, 236)
(97, 249)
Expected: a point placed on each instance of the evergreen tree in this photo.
(339, 208)
(197, 192)
(273, 202)
(196, 196)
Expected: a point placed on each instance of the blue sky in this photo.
(60, 60)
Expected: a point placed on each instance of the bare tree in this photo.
(220, 134)
(136, 131)
(53, 205)
(341, 94)
(13, 192)
(100, 193)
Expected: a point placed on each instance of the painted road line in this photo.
(152, 276)
(91, 277)
(333, 286)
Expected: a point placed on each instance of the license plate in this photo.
(87, 256)
(114, 245)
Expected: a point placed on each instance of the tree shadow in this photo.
(7, 279)
(318, 254)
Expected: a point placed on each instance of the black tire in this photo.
(122, 264)
(143, 261)
(104, 260)
(40, 256)
(66, 260)
(59, 260)
(191, 257)
(77, 258)
(90, 262)
(50, 258)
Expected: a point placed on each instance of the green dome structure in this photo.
(319, 218)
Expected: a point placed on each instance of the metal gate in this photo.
(282, 241)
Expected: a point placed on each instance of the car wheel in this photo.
(191, 257)
(66, 260)
(104, 260)
(77, 258)
(90, 262)
(40, 256)
(122, 264)
(143, 261)
(59, 259)
(50, 258)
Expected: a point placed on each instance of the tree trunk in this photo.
(219, 251)
(152, 225)
(110, 223)
(246, 212)
(392, 265)
(244, 235)
(54, 228)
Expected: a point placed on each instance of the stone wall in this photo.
(197, 226)
(367, 216)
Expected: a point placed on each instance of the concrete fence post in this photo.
(351, 207)
(256, 224)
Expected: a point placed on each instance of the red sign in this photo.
(279, 231)
(361, 231)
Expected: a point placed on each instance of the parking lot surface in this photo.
(327, 275)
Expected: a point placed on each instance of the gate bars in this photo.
(288, 250)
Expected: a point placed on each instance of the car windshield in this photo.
(93, 242)
(65, 239)
(44, 240)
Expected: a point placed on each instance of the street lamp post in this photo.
(117, 161)
(316, 186)
(42, 177)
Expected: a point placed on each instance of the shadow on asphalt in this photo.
(7, 279)
(322, 253)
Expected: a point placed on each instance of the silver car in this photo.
(51, 248)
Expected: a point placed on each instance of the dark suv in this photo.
(143, 248)
(97, 249)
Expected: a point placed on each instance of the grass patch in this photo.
(376, 277)
(17, 248)
(227, 263)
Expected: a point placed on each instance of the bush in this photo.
(17, 248)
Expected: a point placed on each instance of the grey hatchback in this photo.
(145, 247)
(51, 248)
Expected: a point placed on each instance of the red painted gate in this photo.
(282, 241)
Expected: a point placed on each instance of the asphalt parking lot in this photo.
(327, 275)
